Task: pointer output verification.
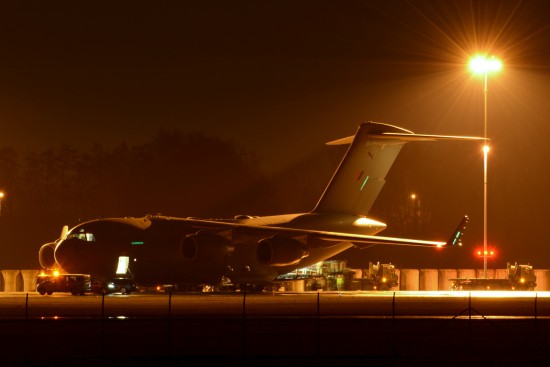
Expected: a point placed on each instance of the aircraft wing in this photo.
(358, 240)
(362, 241)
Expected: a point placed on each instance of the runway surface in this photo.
(326, 328)
(368, 304)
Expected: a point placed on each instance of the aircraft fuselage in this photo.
(159, 251)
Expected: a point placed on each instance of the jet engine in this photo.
(280, 251)
(46, 255)
(202, 246)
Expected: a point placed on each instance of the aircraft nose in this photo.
(67, 254)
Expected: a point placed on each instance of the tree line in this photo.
(175, 173)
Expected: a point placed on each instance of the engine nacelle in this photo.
(204, 246)
(280, 251)
(46, 255)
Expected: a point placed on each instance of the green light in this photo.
(456, 237)
(364, 182)
(137, 243)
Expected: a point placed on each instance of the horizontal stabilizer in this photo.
(424, 137)
(362, 172)
(407, 137)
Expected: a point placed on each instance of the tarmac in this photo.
(321, 329)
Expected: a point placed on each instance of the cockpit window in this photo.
(88, 237)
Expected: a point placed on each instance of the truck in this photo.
(74, 283)
(377, 277)
(518, 277)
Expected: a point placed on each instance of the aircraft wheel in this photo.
(42, 292)
(50, 292)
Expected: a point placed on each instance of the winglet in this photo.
(458, 233)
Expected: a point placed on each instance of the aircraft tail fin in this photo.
(361, 174)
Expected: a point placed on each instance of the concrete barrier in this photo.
(443, 278)
(466, 273)
(543, 280)
(428, 280)
(398, 272)
(499, 273)
(29, 280)
(408, 280)
(491, 273)
(10, 280)
(299, 285)
(19, 283)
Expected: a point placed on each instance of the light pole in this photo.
(484, 65)
(1, 197)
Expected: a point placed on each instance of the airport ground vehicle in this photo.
(334, 275)
(518, 277)
(377, 277)
(114, 285)
(74, 283)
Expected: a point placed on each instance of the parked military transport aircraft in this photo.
(248, 250)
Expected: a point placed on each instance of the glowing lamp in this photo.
(482, 64)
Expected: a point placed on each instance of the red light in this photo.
(488, 253)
